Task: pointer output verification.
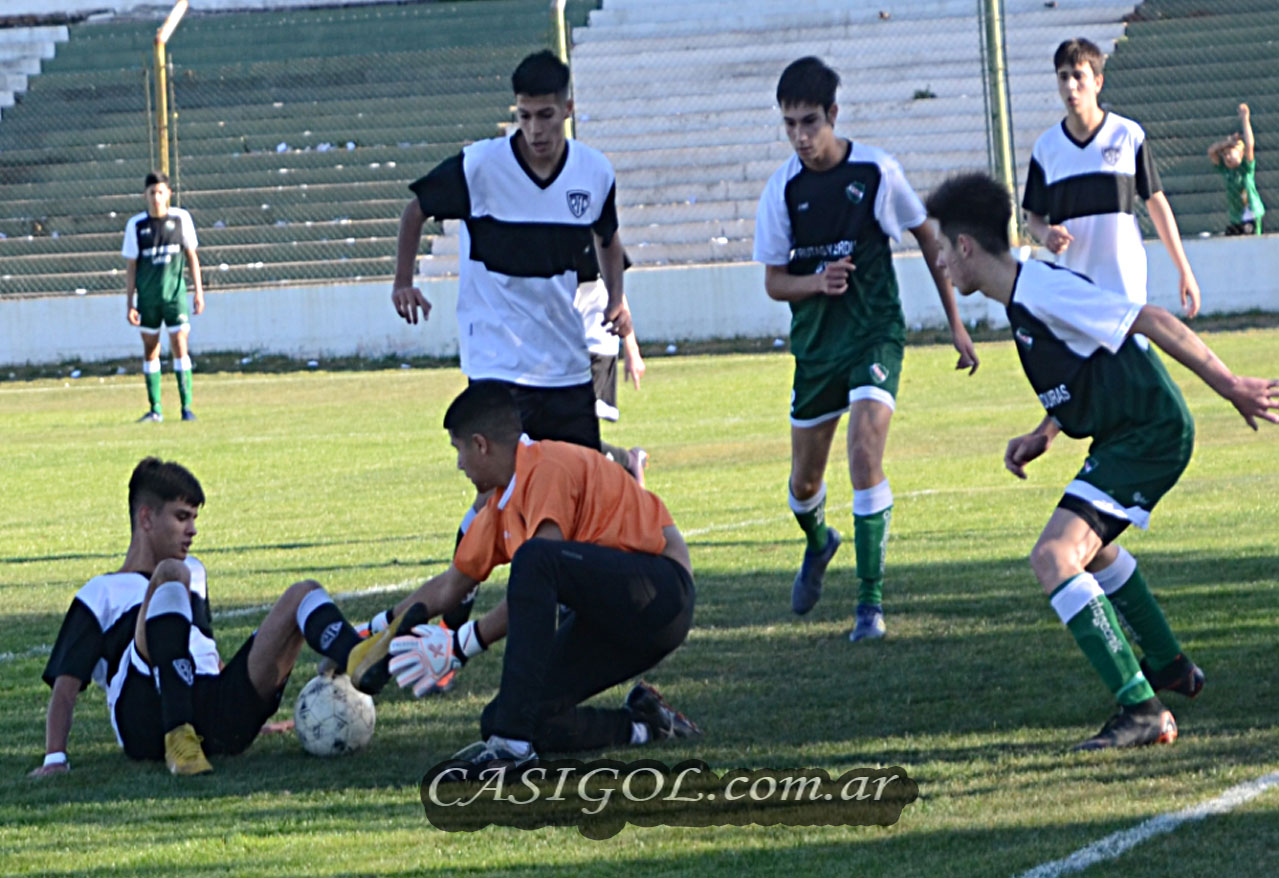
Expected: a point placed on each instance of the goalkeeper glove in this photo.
(428, 659)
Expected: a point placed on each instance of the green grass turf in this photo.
(977, 692)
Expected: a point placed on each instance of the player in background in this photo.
(144, 634)
(1084, 179)
(577, 531)
(591, 302)
(1235, 159)
(1078, 346)
(531, 203)
(822, 232)
(159, 245)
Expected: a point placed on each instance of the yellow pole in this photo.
(162, 83)
(1000, 107)
(560, 31)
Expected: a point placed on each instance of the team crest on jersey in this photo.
(1024, 338)
(1110, 155)
(879, 373)
(145, 232)
(855, 191)
(578, 202)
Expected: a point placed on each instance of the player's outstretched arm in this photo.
(440, 593)
(1166, 225)
(959, 336)
(1245, 129)
(1023, 449)
(57, 727)
(408, 299)
(1254, 398)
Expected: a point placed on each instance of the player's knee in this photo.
(803, 488)
(301, 589)
(171, 570)
(1051, 563)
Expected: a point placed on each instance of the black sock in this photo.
(329, 634)
(168, 644)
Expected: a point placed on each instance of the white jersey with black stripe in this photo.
(1091, 187)
(518, 265)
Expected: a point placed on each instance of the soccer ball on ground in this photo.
(332, 717)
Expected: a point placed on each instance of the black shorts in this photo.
(564, 414)
(604, 378)
(1108, 527)
(229, 712)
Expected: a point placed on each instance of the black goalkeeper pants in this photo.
(629, 611)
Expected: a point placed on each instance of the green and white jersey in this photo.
(1091, 376)
(159, 244)
(809, 218)
(1242, 199)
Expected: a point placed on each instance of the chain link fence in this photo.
(295, 133)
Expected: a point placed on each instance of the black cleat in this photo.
(1182, 676)
(368, 665)
(484, 760)
(1134, 726)
(648, 706)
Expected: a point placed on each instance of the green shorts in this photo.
(1123, 478)
(172, 313)
(822, 391)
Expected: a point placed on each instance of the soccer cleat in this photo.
(188, 415)
(481, 760)
(807, 589)
(368, 663)
(869, 624)
(648, 706)
(151, 418)
(1134, 726)
(1182, 676)
(637, 463)
(183, 753)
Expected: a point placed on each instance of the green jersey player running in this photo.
(1082, 348)
(822, 232)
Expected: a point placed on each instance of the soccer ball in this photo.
(333, 718)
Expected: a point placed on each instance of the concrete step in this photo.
(37, 34)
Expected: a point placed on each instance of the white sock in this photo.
(519, 748)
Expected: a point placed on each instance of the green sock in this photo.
(184, 387)
(870, 542)
(811, 515)
(1150, 628)
(1091, 620)
(153, 387)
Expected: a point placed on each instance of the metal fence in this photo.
(294, 134)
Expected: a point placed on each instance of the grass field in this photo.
(978, 691)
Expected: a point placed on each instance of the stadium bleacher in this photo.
(297, 133)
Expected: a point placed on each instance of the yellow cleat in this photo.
(183, 753)
(368, 665)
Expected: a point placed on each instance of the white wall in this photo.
(669, 304)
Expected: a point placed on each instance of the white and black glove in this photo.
(428, 658)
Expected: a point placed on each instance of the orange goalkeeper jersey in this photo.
(590, 498)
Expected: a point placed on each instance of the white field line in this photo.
(46, 648)
(1117, 843)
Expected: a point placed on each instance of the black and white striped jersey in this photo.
(518, 266)
(1092, 188)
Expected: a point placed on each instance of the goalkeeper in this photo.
(576, 531)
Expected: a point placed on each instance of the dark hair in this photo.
(976, 205)
(155, 177)
(541, 74)
(807, 81)
(1076, 51)
(487, 408)
(155, 482)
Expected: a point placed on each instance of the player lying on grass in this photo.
(144, 635)
(1096, 377)
(576, 531)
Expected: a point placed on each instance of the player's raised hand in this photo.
(1058, 239)
(1022, 450)
(408, 301)
(835, 276)
(1255, 398)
